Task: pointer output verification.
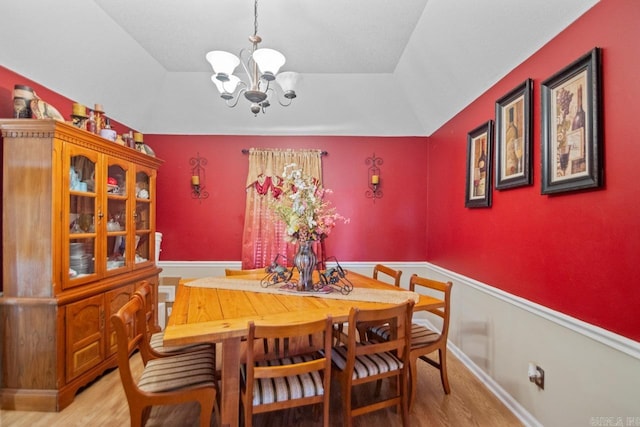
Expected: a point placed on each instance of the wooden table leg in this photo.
(230, 399)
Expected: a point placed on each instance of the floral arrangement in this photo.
(299, 202)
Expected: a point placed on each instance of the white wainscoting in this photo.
(592, 376)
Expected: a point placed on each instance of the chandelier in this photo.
(261, 67)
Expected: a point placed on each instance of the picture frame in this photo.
(513, 157)
(479, 155)
(572, 143)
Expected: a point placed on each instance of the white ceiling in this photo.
(369, 67)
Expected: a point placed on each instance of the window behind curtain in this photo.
(263, 234)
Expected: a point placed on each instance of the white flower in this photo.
(300, 205)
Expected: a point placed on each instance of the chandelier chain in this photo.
(255, 18)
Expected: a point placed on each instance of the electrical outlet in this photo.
(536, 375)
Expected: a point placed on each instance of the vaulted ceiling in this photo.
(369, 67)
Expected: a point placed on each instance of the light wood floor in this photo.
(469, 404)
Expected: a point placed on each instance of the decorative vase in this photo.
(305, 261)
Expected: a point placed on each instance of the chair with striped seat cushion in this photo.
(179, 371)
(281, 380)
(382, 273)
(170, 380)
(366, 365)
(424, 340)
(156, 341)
(356, 363)
(420, 335)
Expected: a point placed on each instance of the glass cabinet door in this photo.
(117, 224)
(143, 218)
(80, 244)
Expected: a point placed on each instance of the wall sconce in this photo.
(373, 177)
(197, 177)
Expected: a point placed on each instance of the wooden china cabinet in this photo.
(78, 236)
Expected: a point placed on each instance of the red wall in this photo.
(391, 229)
(8, 79)
(577, 253)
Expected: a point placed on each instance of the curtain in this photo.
(263, 237)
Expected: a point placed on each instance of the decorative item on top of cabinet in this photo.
(138, 139)
(74, 251)
(79, 116)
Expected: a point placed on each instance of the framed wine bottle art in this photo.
(479, 153)
(572, 146)
(513, 138)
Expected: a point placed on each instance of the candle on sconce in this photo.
(79, 110)
(375, 179)
(195, 180)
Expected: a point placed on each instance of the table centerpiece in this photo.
(308, 217)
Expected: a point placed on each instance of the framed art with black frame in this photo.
(479, 152)
(572, 143)
(513, 137)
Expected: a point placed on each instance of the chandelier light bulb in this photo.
(226, 88)
(269, 62)
(288, 80)
(223, 63)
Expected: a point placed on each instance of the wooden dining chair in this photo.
(424, 340)
(232, 272)
(156, 339)
(176, 379)
(358, 362)
(283, 378)
(382, 273)
(387, 272)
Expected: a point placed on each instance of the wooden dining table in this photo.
(205, 314)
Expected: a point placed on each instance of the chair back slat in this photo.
(313, 368)
(416, 283)
(393, 275)
(144, 291)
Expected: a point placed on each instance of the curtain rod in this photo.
(246, 151)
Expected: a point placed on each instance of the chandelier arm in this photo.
(278, 95)
(239, 85)
(282, 104)
(245, 61)
(234, 101)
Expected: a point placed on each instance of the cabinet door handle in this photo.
(100, 215)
